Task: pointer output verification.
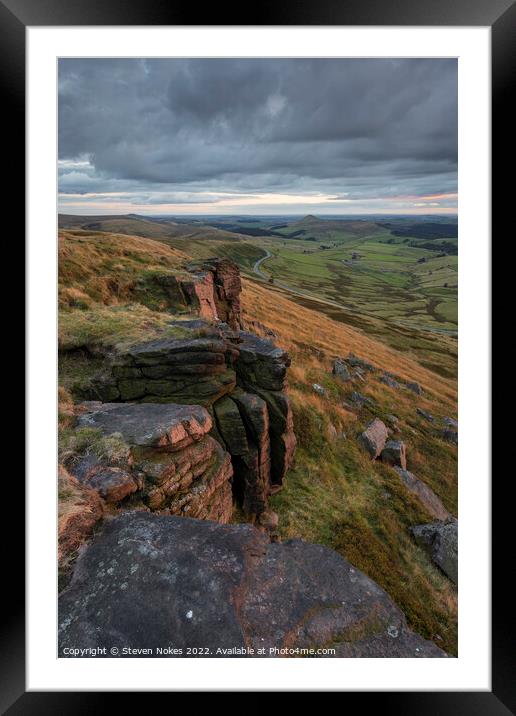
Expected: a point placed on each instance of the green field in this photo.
(383, 280)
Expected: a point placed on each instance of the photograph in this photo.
(258, 259)
(257, 298)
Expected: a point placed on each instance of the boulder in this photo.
(430, 501)
(112, 483)
(440, 540)
(391, 382)
(425, 415)
(357, 362)
(319, 389)
(414, 387)
(450, 422)
(148, 581)
(450, 436)
(374, 437)
(341, 371)
(394, 453)
(361, 400)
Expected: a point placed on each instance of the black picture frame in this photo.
(500, 15)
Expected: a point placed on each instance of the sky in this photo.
(257, 136)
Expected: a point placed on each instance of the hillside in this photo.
(134, 225)
(332, 228)
(117, 290)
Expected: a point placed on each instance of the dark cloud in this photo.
(358, 128)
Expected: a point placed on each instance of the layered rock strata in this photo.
(166, 459)
(240, 378)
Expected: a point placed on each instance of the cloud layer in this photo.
(251, 135)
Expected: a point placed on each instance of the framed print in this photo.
(258, 290)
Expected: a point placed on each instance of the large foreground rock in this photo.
(441, 542)
(149, 581)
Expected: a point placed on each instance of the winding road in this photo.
(256, 267)
(296, 291)
(328, 302)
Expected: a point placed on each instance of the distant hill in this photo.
(321, 228)
(423, 229)
(135, 225)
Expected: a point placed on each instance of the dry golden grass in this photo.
(101, 267)
(79, 509)
(304, 332)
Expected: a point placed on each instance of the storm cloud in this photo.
(346, 135)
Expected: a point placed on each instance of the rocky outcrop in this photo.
(239, 377)
(374, 437)
(218, 287)
(440, 540)
(148, 581)
(251, 420)
(170, 462)
(211, 288)
(430, 501)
